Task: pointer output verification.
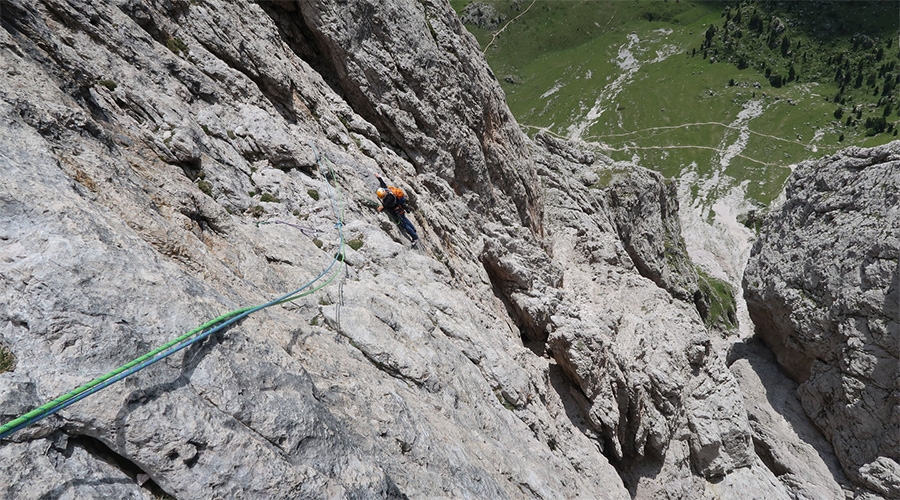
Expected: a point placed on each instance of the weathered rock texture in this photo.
(822, 287)
(411, 70)
(658, 399)
(480, 14)
(642, 203)
(159, 164)
(794, 450)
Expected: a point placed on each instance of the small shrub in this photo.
(722, 311)
(177, 46)
(205, 129)
(268, 198)
(297, 214)
(206, 187)
(251, 193)
(231, 134)
(313, 194)
(355, 244)
(317, 242)
(7, 359)
(111, 85)
(256, 211)
(314, 321)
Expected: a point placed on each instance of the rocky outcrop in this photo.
(166, 161)
(822, 288)
(431, 96)
(482, 15)
(164, 171)
(661, 403)
(642, 203)
(790, 446)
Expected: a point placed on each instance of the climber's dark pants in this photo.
(404, 223)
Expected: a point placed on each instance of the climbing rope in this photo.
(197, 334)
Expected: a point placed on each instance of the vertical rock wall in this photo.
(160, 167)
(412, 70)
(822, 286)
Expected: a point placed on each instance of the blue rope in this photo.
(93, 389)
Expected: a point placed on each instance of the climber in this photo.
(394, 199)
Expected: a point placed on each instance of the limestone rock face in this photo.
(408, 68)
(648, 383)
(822, 287)
(642, 203)
(167, 161)
(160, 168)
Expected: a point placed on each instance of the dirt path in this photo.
(592, 141)
(497, 33)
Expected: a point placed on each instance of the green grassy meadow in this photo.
(641, 80)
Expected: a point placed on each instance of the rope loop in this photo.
(195, 335)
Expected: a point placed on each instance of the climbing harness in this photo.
(197, 334)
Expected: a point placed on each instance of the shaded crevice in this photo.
(515, 289)
(192, 168)
(275, 260)
(575, 402)
(190, 462)
(632, 469)
(763, 360)
(764, 452)
(99, 450)
(296, 34)
(203, 222)
(766, 318)
(502, 290)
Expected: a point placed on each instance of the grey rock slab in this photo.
(160, 168)
(822, 288)
(784, 437)
(660, 401)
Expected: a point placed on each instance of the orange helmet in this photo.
(380, 192)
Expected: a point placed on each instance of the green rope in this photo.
(191, 336)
